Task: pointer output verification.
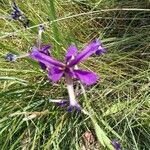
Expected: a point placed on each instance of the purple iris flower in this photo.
(57, 69)
(16, 11)
(69, 69)
(10, 57)
(116, 145)
(17, 14)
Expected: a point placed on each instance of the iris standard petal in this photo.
(45, 49)
(47, 60)
(86, 77)
(87, 51)
(55, 74)
(71, 52)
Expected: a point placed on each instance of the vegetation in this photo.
(118, 105)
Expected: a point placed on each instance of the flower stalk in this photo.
(22, 56)
(71, 93)
(39, 39)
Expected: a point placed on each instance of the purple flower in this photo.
(58, 69)
(69, 69)
(116, 145)
(16, 11)
(18, 15)
(10, 57)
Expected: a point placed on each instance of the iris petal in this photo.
(71, 52)
(86, 77)
(87, 51)
(55, 73)
(45, 49)
(47, 60)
